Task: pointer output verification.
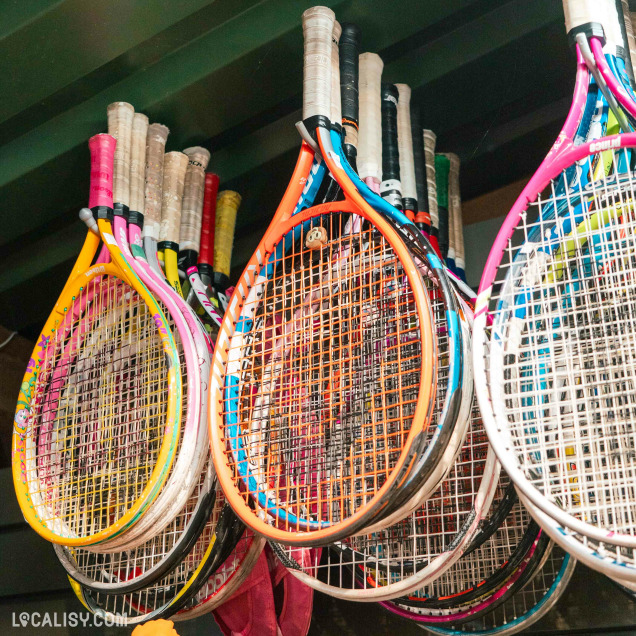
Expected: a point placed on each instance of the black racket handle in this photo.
(390, 189)
(422, 215)
(349, 52)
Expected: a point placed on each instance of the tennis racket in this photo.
(260, 377)
(580, 221)
(78, 453)
(191, 343)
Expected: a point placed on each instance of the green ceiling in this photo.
(492, 77)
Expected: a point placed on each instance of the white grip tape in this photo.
(405, 142)
(193, 189)
(120, 118)
(456, 207)
(155, 148)
(138, 161)
(578, 12)
(629, 29)
(174, 169)
(336, 106)
(431, 185)
(611, 28)
(370, 116)
(317, 30)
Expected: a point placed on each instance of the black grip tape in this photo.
(186, 259)
(349, 49)
(443, 230)
(390, 152)
(418, 160)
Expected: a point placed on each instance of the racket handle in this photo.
(391, 188)
(429, 139)
(138, 161)
(155, 148)
(349, 49)
(441, 179)
(174, 169)
(120, 118)
(405, 146)
(317, 31)
(206, 245)
(102, 149)
(193, 191)
(336, 108)
(227, 206)
(422, 216)
(370, 133)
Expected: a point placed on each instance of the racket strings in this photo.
(137, 605)
(473, 569)
(100, 408)
(132, 563)
(565, 312)
(331, 369)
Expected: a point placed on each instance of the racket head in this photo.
(227, 465)
(105, 309)
(540, 262)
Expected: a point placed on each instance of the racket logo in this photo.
(605, 144)
(160, 325)
(98, 269)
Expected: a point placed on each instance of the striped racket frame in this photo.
(562, 155)
(81, 289)
(526, 606)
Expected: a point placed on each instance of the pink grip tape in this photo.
(102, 148)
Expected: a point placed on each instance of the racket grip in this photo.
(155, 147)
(348, 57)
(227, 206)
(193, 192)
(336, 108)
(102, 149)
(317, 31)
(120, 119)
(405, 146)
(429, 139)
(138, 161)
(206, 245)
(174, 169)
(390, 188)
(370, 133)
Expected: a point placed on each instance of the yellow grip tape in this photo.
(227, 205)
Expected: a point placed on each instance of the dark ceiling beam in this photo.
(92, 34)
(16, 15)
